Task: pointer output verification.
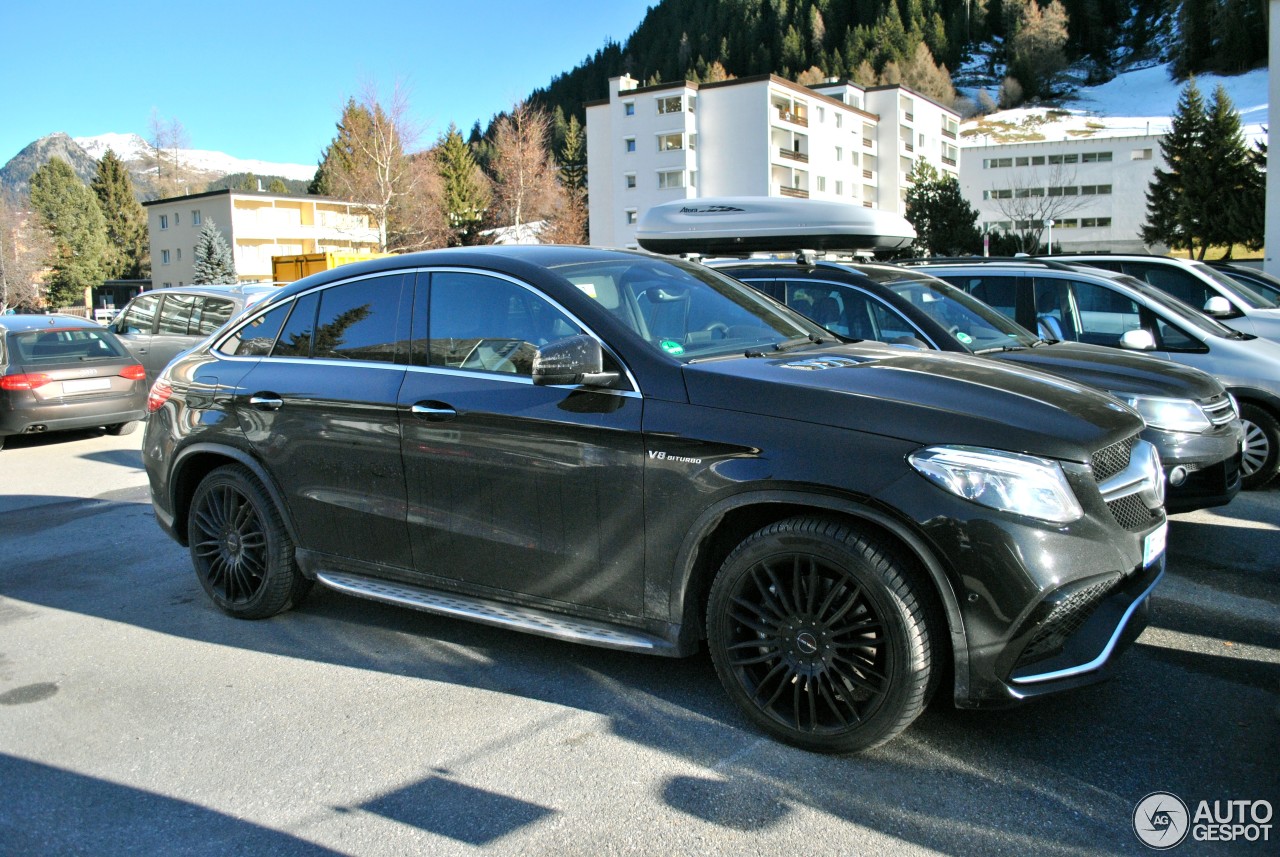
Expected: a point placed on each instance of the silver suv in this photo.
(1243, 306)
(1082, 304)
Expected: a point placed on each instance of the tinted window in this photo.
(211, 314)
(357, 320)
(490, 325)
(139, 317)
(175, 314)
(998, 292)
(1182, 285)
(257, 337)
(1105, 314)
(295, 338)
(60, 346)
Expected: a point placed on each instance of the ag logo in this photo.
(1161, 820)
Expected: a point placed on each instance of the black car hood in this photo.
(1112, 369)
(923, 397)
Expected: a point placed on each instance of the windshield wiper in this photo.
(798, 341)
(1002, 349)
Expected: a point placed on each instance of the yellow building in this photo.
(256, 226)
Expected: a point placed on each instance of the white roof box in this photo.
(735, 225)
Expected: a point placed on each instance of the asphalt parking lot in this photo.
(137, 719)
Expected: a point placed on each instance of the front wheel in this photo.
(1260, 458)
(241, 551)
(822, 635)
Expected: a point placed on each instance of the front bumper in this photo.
(1211, 462)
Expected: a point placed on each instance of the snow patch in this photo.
(131, 147)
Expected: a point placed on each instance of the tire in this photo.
(241, 551)
(1261, 458)
(824, 637)
(123, 428)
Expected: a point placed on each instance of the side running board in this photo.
(525, 619)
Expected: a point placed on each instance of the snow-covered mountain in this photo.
(131, 147)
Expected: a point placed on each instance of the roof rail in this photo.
(986, 260)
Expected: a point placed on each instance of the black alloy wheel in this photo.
(240, 548)
(1260, 457)
(822, 636)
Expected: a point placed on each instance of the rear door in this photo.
(136, 325)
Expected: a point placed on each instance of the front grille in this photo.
(1111, 460)
(1220, 410)
(1058, 620)
(1132, 513)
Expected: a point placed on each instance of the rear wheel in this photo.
(241, 551)
(1260, 458)
(822, 635)
(123, 428)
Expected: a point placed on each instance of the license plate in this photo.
(1153, 545)
(86, 385)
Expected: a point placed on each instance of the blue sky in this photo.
(267, 80)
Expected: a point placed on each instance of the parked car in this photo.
(1259, 281)
(1232, 302)
(1190, 418)
(159, 325)
(59, 373)
(1104, 308)
(640, 453)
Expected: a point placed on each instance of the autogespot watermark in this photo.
(1161, 820)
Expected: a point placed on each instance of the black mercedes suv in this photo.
(641, 453)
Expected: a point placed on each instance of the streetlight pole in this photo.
(1048, 224)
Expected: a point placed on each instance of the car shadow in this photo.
(1060, 775)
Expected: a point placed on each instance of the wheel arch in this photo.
(725, 524)
(197, 461)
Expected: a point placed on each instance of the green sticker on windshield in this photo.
(964, 337)
(671, 347)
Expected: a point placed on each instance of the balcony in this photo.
(908, 146)
(866, 174)
(950, 135)
(792, 155)
(951, 162)
(797, 192)
(794, 117)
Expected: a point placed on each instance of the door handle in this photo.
(436, 412)
(266, 402)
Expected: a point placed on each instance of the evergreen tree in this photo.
(573, 157)
(465, 189)
(69, 211)
(213, 261)
(128, 252)
(1180, 197)
(945, 223)
(277, 186)
(1239, 187)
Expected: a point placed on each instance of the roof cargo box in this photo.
(749, 224)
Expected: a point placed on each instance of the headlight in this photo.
(1022, 484)
(1167, 414)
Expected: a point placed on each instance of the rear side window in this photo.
(175, 315)
(1182, 285)
(139, 317)
(211, 314)
(257, 337)
(358, 320)
(998, 292)
(62, 346)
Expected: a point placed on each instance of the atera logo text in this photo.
(663, 456)
(1232, 821)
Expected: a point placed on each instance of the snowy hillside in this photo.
(131, 147)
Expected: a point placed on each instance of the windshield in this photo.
(968, 320)
(66, 345)
(1250, 296)
(687, 311)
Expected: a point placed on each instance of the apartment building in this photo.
(1092, 188)
(756, 136)
(256, 226)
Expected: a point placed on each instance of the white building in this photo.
(756, 136)
(1092, 188)
(256, 227)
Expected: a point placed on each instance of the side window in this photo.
(1174, 338)
(175, 315)
(1056, 316)
(295, 337)
(1181, 284)
(358, 320)
(140, 317)
(998, 292)
(1104, 314)
(487, 324)
(211, 314)
(257, 337)
(821, 302)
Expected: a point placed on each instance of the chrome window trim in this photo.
(259, 311)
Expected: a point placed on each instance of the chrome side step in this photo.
(525, 619)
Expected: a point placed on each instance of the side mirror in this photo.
(1217, 306)
(1138, 340)
(574, 360)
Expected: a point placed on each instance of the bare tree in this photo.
(167, 139)
(1031, 199)
(526, 188)
(24, 246)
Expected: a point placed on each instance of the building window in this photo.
(629, 144)
(195, 217)
(670, 142)
(839, 120)
(1021, 162)
(1140, 155)
(164, 221)
(630, 180)
(671, 104)
(822, 114)
(179, 254)
(175, 218)
(839, 154)
(670, 179)
(1005, 193)
(631, 216)
(996, 163)
(1095, 221)
(1095, 158)
(164, 257)
(1063, 159)
(628, 108)
(1095, 189)
(822, 184)
(839, 188)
